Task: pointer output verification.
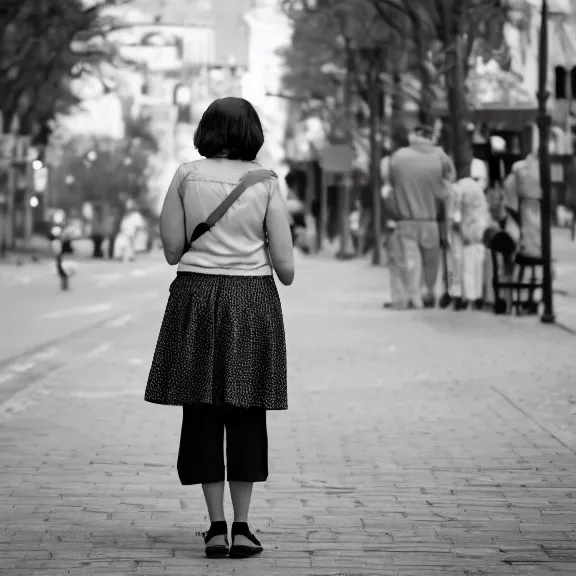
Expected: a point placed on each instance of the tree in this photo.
(44, 46)
(341, 34)
(457, 32)
(109, 174)
(439, 41)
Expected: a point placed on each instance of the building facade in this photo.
(522, 35)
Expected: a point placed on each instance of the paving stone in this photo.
(407, 450)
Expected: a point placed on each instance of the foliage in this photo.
(435, 41)
(44, 46)
(333, 43)
(107, 172)
(459, 31)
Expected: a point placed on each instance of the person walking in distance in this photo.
(221, 351)
(399, 296)
(468, 252)
(419, 173)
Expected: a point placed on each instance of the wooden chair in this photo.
(513, 292)
(521, 296)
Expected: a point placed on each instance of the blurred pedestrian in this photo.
(470, 222)
(221, 352)
(354, 223)
(418, 173)
(365, 233)
(522, 195)
(400, 299)
(297, 213)
(129, 228)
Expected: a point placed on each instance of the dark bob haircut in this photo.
(229, 128)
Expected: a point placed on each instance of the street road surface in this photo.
(416, 443)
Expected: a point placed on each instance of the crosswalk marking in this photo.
(98, 351)
(79, 311)
(21, 367)
(120, 322)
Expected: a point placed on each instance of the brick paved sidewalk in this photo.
(415, 445)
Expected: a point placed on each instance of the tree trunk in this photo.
(425, 116)
(462, 147)
(344, 193)
(375, 154)
(453, 40)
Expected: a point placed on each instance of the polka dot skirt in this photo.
(221, 342)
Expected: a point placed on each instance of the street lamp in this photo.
(544, 123)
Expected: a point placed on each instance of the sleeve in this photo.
(479, 221)
(275, 188)
(510, 191)
(448, 169)
(385, 170)
(453, 202)
(175, 187)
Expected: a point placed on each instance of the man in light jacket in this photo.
(418, 175)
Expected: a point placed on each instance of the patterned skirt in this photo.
(221, 342)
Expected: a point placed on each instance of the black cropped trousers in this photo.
(201, 453)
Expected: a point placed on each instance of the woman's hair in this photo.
(230, 128)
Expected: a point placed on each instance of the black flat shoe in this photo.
(217, 550)
(429, 302)
(460, 304)
(241, 529)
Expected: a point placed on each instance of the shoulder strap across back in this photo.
(249, 179)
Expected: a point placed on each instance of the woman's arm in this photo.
(279, 236)
(172, 222)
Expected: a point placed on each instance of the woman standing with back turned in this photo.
(221, 352)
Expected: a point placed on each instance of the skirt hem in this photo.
(168, 403)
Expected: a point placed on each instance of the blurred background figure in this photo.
(132, 226)
(297, 211)
(453, 246)
(418, 173)
(472, 220)
(354, 220)
(522, 195)
(397, 269)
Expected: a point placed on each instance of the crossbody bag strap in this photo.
(246, 181)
